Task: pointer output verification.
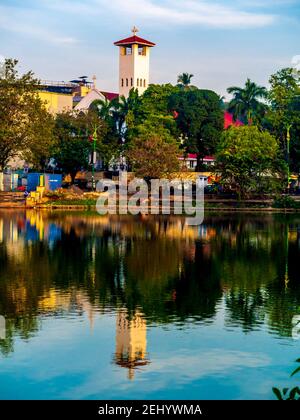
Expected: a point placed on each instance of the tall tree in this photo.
(104, 108)
(283, 118)
(153, 154)
(248, 160)
(110, 145)
(199, 117)
(246, 104)
(184, 80)
(74, 146)
(25, 125)
(127, 113)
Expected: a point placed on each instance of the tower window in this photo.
(128, 51)
(126, 82)
(142, 50)
(144, 82)
(138, 82)
(141, 82)
(122, 82)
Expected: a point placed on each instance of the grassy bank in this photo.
(210, 205)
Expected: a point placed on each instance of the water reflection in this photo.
(146, 270)
(131, 341)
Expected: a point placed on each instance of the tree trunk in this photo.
(73, 176)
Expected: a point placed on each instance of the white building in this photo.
(134, 63)
(190, 161)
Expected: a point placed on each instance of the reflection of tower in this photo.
(131, 341)
(1, 230)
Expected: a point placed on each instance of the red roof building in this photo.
(110, 95)
(134, 40)
(229, 121)
(191, 160)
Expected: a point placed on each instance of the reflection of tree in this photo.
(245, 308)
(198, 288)
(284, 301)
(149, 265)
(254, 274)
(24, 327)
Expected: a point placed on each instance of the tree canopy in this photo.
(248, 160)
(199, 118)
(283, 117)
(74, 133)
(154, 154)
(246, 104)
(26, 128)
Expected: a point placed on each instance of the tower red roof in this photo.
(134, 40)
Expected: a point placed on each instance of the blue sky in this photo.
(222, 42)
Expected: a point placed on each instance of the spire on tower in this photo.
(135, 30)
(94, 81)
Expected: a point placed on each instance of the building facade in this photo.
(134, 62)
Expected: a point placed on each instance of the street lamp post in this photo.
(288, 139)
(94, 138)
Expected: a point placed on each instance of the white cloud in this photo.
(19, 21)
(266, 3)
(188, 12)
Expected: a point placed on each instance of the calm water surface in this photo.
(106, 308)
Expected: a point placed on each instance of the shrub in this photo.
(285, 202)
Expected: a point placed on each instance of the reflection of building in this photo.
(131, 341)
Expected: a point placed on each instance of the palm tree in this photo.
(245, 104)
(103, 108)
(125, 110)
(184, 80)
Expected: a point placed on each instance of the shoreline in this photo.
(86, 207)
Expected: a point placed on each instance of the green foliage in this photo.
(89, 202)
(127, 114)
(286, 393)
(199, 119)
(26, 128)
(184, 80)
(248, 160)
(153, 154)
(73, 146)
(246, 105)
(154, 109)
(283, 118)
(285, 202)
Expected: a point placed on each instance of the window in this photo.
(122, 82)
(128, 51)
(126, 82)
(191, 164)
(131, 81)
(142, 50)
(137, 82)
(141, 82)
(144, 82)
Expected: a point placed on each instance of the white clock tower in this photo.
(134, 63)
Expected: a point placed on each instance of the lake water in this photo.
(132, 308)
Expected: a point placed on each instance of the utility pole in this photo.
(288, 139)
(94, 138)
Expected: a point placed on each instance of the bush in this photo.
(286, 393)
(285, 202)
